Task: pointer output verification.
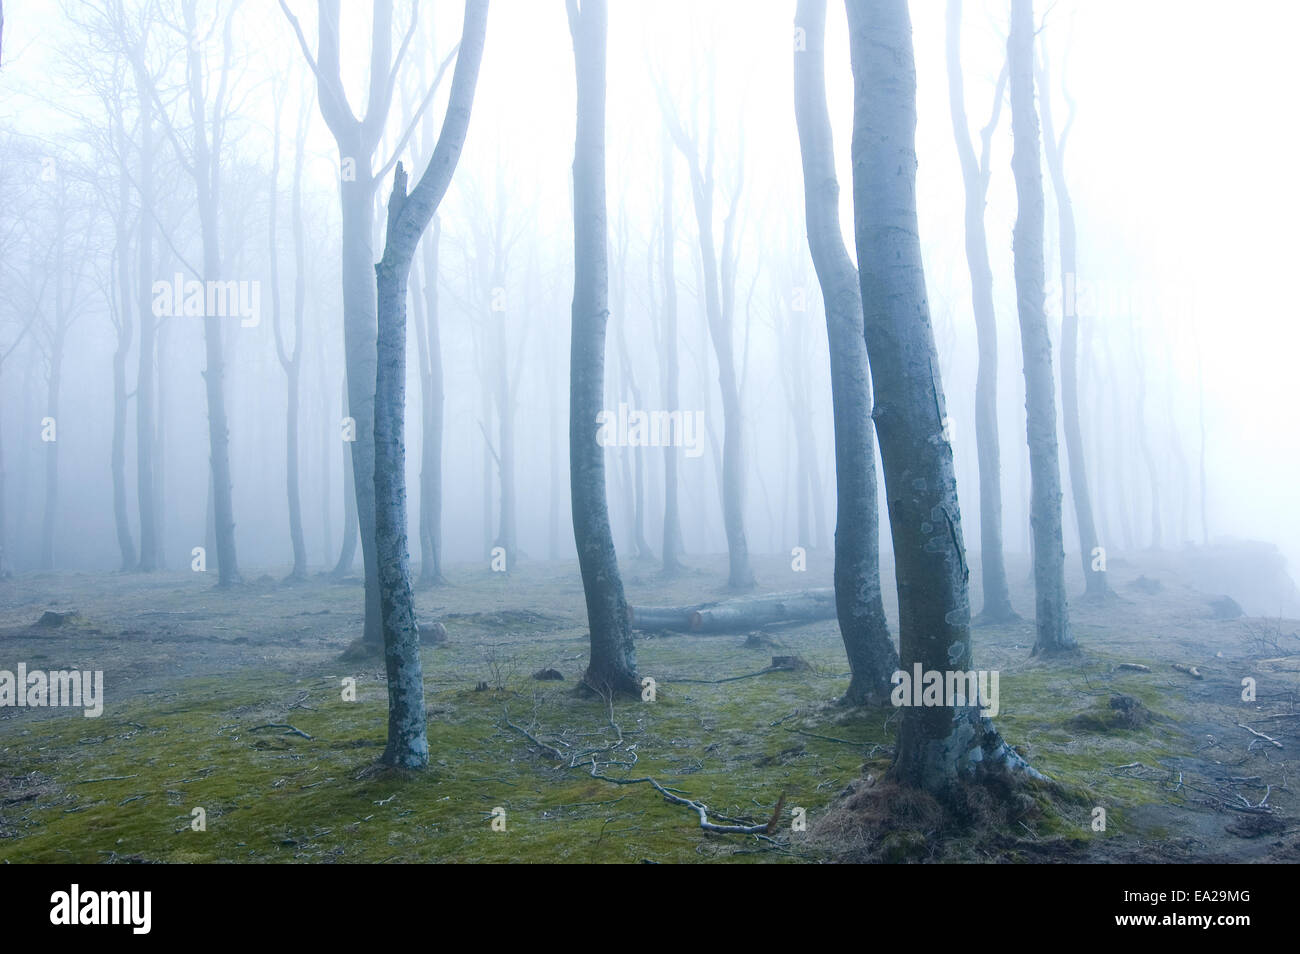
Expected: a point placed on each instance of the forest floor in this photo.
(193, 675)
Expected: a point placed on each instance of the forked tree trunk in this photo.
(975, 175)
(937, 745)
(1051, 616)
(408, 217)
(612, 666)
(858, 600)
(1096, 587)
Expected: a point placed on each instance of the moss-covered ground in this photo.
(194, 675)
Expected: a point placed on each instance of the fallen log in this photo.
(737, 615)
(654, 619)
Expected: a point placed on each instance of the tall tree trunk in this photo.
(1096, 586)
(937, 745)
(718, 277)
(144, 379)
(672, 536)
(975, 175)
(408, 217)
(858, 599)
(612, 667)
(290, 359)
(121, 520)
(348, 548)
(1052, 618)
(52, 446)
(432, 404)
(206, 169)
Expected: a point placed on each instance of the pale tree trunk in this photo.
(975, 175)
(290, 359)
(125, 332)
(408, 217)
(357, 139)
(1052, 619)
(612, 667)
(432, 403)
(204, 166)
(159, 459)
(1096, 586)
(635, 479)
(146, 491)
(348, 548)
(937, 745)
(672, 535)
(858, 600)
(719, 294)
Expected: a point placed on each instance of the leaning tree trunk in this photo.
(975, 175)
(1052, 618)
(408, 217)
(612, 667)
(937, 745)
(1095, 587)
(859, 605)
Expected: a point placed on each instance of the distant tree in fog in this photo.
(975, 176)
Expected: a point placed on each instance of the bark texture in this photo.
(937, 745)
(860, 609)
(408, 217)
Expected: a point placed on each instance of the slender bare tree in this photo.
(1051, 613)
(408, 217)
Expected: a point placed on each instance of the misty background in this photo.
(1181, 169)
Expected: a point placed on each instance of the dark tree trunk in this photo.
(975, 174)
(612, 667)
(408, 217)
(1052, 618)
(1096, 587)
(858, 600)
(937, 745)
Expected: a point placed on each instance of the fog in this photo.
(1179, 176)
(428, 362)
